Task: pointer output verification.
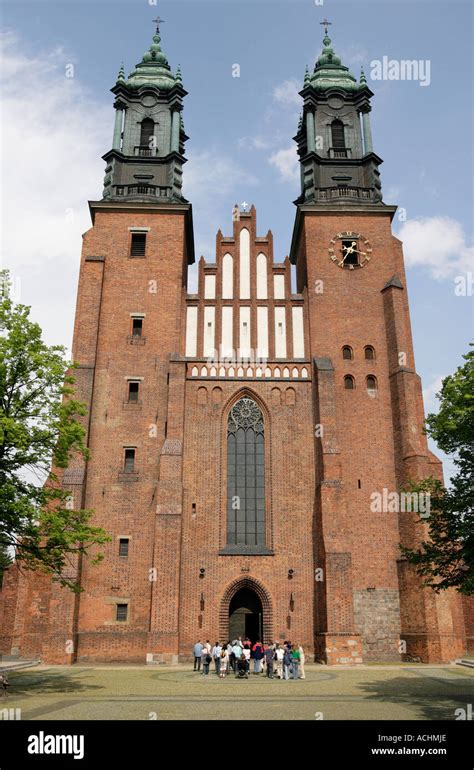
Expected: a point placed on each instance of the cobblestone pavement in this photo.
(163, 692)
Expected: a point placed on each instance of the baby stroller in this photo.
(242, 668)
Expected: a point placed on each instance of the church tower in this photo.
(147, 155)
(367, 395)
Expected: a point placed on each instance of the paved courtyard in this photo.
(163, 692)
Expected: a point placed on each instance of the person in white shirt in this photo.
(279, 652)
(216, 656)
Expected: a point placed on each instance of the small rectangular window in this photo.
(123, 546)
(129, 461)
(138, 244)
(133, 388)
(122, 612)
(137, 327)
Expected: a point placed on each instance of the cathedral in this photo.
(239, 435)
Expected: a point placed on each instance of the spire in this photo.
(146, 160)
(343, 169)
(329, 72)
(306, 75)
(121, 75)
(153, 68)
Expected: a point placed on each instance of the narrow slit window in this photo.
(129, 461)
(138, 245)
(123, 546)
(137, 327)
(133, 390)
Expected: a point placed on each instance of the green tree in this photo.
(446, 558)
(5, 561)
(39, 434)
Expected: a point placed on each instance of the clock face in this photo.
(350, 250)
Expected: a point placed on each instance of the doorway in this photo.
(245, 616)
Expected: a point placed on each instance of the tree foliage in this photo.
(446, 558)
(40, 431)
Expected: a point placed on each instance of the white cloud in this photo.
(51, 149)
(210, 175)
(255, 143)
(286, 161)
(392, 193)
(286, 93)
(429, 393)
(53, 135)
(437, 244)
(210, 180)
(353, 55)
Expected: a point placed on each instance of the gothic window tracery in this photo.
(245, 474)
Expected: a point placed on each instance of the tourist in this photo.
(246, 652)
(216, 655)
(279, 654)
(269, 655)
(257, 657)
(302, 659)
(230, 655)
(241, 668)
(208, 645)
(206, 660)
(197, 651)
(224, 663)
(295, 659)
(4, 683)
(286, 663)
(204, 654)
(237, 650)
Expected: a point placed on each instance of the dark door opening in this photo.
(245, 616)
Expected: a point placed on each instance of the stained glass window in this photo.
(245, 474)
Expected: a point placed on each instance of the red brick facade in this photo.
(329, 574)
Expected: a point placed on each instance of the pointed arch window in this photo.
(245, 475)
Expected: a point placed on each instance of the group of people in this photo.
(284, 659)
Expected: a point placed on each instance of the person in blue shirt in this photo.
(197, 651)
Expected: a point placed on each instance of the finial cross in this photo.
(158, 21)
(326, 24)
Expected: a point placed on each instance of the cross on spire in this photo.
(326, 24)
(158, 21)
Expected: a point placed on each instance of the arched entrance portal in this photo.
(244, 599)
(246, 615)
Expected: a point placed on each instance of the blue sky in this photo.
(240, 132)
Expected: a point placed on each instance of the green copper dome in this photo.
(153, 70)
(330, 73)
